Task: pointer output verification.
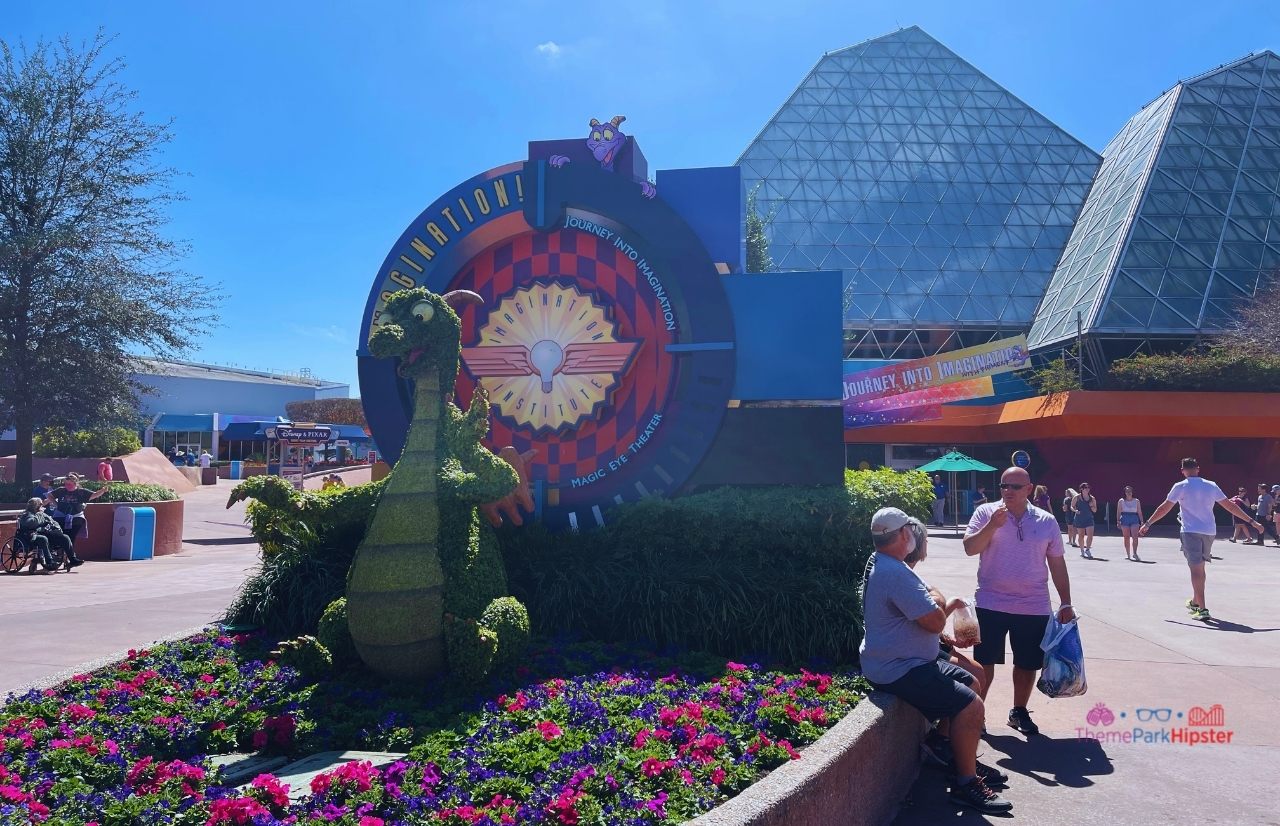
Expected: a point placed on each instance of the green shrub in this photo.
(1215, 369)
(11, 492)
(289, 592)
(59, 442)
(769, 572)
(305, 653)
(129, 492)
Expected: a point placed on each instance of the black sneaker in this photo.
(1020, 719)
(990, 775)
(75, 563)
(976, 795)
(936, 749)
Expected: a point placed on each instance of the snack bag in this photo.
(964, 625)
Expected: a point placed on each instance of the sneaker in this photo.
(936, 749)
(976, 795)
(75, 563)
(1088, 553)
(990, 774)
(1191, 606)
(1200, 614)
(1020, 719)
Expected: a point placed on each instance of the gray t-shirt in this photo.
(1265, 503)
(894, 643)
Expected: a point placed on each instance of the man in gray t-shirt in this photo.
(903, 618)
(1266, 506)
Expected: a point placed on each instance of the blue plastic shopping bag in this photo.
(1063, 674)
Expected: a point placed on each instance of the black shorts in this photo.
(1025, 632)
(939, 690)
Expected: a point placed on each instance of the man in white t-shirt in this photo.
(1197, 497)
(205, 459)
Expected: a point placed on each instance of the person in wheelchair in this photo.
(39, 530)
(66, 504)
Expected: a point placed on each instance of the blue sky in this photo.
(310, 134)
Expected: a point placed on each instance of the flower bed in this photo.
(583, 734)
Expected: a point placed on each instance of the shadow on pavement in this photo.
(1065, 761)
(1223, 625)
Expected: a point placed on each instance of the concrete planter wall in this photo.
(101, 519)
(224, 472)
(856, 773)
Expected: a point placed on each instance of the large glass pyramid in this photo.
(947, 199)
(1184, 220)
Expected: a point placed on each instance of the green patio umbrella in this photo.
(954, 462)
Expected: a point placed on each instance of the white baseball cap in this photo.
(888, 520)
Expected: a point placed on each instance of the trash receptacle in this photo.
(237, 470)
(134, 535)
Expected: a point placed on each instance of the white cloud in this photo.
(550, 50)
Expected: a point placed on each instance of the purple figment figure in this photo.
(605, 142)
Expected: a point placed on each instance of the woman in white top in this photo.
(1129, 509)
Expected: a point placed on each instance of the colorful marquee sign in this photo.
(914, 390)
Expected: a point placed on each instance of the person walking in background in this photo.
(1084, 509)
(1019, 549)
(1041, 499)
(206, 460)
(1275, 514)
(1240, 526)
(939, 499)
(1196, 498)
(1266, 507)
(1129, 512)
(104, 470)
(1066, 516)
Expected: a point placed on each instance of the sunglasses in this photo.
(1010, 486)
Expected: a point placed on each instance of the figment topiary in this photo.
(427, 586)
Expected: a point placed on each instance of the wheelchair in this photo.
(19, 552)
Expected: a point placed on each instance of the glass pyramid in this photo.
(947, 199)
(1184, 219)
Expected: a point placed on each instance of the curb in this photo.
(856, 773)
(53, 680)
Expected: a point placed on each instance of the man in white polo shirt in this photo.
(1197, 497)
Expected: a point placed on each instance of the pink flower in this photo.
(549, 730)
(717, 775)
(735, 666)
(369, 820)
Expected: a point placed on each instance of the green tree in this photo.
(87, 280)
(758, 258)
(1057, 376)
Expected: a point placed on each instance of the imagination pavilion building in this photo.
(961, 215)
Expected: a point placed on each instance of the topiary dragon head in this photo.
(422, 329)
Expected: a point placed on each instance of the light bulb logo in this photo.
(547, 356)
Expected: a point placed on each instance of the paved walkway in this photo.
(1142, 652)
(60, 621)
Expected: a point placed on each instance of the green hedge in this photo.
(120, 492)
(767, 573)
(129, 492)
(770, 573)
(59, 442)
(1216, 369)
